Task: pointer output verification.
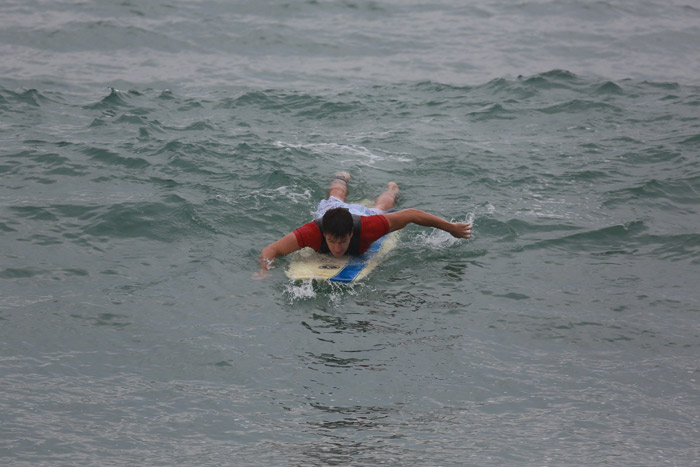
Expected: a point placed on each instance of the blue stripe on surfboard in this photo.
(358, 263)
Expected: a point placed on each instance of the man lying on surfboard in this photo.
(335, 229)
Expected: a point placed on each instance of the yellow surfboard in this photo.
(308, 264)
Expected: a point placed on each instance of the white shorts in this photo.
(357, 209)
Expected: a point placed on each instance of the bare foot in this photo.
(387, 200)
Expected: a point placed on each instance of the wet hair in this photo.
(337, 222)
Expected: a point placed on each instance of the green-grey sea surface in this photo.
(150, 150)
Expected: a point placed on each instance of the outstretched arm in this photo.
(400, 219)
(281, 247)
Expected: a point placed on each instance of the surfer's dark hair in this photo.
(337, 222)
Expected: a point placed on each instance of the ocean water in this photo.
(150, 150)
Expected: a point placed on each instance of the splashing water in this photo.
(300, 290)
(309, 289)
(439, 239)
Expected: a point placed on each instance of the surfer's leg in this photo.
(339, 186)
(387, 200)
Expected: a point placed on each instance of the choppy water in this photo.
(149, 151)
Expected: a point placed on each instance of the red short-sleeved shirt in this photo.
(373, 227)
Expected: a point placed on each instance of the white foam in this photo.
(439, 239)
(360, 155)
(306, 290)
(301, 290)
(436, 239)
(293, 194)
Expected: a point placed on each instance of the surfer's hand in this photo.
(461, 230)
(261, 274)
(265, 265)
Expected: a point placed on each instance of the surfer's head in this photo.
(337, 229)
